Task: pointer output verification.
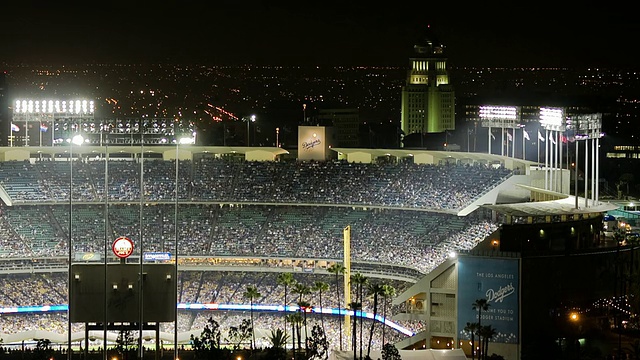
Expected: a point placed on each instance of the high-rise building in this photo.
(346, 125)
(428, 100)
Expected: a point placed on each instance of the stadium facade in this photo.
(494, 259)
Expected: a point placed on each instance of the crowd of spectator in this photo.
(401, 185)
(402, 216)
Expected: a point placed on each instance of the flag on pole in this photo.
(551, 140)
(509, 137)
(525, 134)
(14, 127)
(540, 137)
(492, 137)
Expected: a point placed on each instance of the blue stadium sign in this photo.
(157, 256)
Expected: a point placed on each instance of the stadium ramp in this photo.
(507, 189)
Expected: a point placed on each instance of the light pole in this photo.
(248, 120)
(77, 140)
(183, 141)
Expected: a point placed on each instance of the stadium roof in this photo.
(436, 154)
(564, 206)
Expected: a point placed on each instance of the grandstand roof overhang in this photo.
(134, 150)
(565, 206)
(436, 155)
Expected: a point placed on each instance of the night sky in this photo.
(320, 33)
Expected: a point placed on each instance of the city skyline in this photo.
(327, 34)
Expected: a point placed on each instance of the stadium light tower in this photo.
(76, 140)
(248, 120)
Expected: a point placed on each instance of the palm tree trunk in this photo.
(293, 339)
(361, 308)
(473, 346)
(373, 323)
(339, 309)
(285, 318)
(355, 336)
(322, 313)
(384, 315)
(253, 330)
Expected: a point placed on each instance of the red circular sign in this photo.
(122, 247)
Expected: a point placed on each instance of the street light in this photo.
(76, 140)
(248, 120)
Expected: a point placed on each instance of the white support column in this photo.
(546, 159)
(560, 167)
(593, 169)
(586, 172)
(597, 159)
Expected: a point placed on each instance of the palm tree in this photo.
(376, 290)
(285, 279)
(338, 269)
(305, 306)
(487, 333)
(320, 287)
(301, 290)
(252, 293)
(355, 306)
(360, 282)
(472, 328)
(293, 319)
(480, 305)
(389, 292)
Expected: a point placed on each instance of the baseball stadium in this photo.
(403, 241)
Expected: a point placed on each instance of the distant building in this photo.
(346, 125)
(428, 100)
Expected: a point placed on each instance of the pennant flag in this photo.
(525, 134)
(14, 128)
(492, 137)
(551, 140)
(44, 127)
(509, 137)
(540, 137)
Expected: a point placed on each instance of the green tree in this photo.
(472, 328)
(318, 344)
(252, 294)
(390, 352)
(321, 287)
(389, 292)
(124, 342)
(43, 349)
(207, 345)
(285, 279)
(278, 341)
(360, 281)
(338, 269)
(238, 334)
(375, 290)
